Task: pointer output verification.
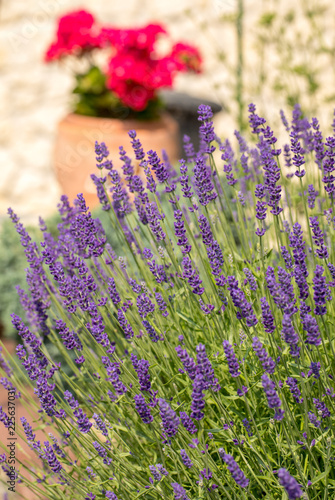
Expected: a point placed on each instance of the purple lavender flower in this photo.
(102, 152)
(298, 158)
(187, 423)
(144, 305)
(50, 457)
(169, 418)
(321, 291)
(73, 403)
(99, 183)
(84, 425)
(228, 157)
(127, 168)
(154, 217)
(28, 430)
(291, 337)
(102, 452)
(142, 369)
(291, 486)
(186, 459)
(156, 474)
(273, 400)
(294, 389)
(314, 420)
(312, 195)
(241, 392)
(311, 328)
(179, 492)
(288, 159)
(329, 167)
(261, 207)
(189, 149)
(157, 166)
(322, 408)
(255, 121)
(233, 363)
(240, 302)
(151, 331)
(151, 184)
(162, 470)
(184, 181)
(137, 146)
(114, 372)
(198, 401)
(314, 369)
(202, 181)
(205, 474)
(205, 367)
(287, 257)
(284, 120)
(237, 474)
(271, 175)
(206, 130)
(192, 276)
(267, 362)
(110, 495)
(90, 496)
(300, 271)
(260, 191)
(247, 427)
(318, 145)
(113, 293)
(188, 362)
(180, 232)
(267, 316)
(142, 409)
(124, 324)
(70, 339)
(100, 424)
(251, 279)
(161, 304)
(206, 308)
(318, 238)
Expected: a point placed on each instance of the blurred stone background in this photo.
(279, 68)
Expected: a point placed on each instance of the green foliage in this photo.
(93, 98)
(12, 266)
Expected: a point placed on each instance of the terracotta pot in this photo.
(74, 157)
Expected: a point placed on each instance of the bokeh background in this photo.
(288, 51)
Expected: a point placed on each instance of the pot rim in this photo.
(164, 120)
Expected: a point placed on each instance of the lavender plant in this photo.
(195, 365)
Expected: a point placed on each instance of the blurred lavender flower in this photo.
(236, 472)
(291, 486)
(273, 400)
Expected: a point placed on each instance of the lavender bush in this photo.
(196, 365)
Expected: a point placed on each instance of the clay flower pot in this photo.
(74, 156)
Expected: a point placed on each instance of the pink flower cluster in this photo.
(135, 70)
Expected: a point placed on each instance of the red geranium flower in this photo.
(187, 57)
(135, 70)
(76, 33)
(142, 39)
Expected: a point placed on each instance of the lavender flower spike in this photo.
(236, 472)
(198, 402)
(233, 363)
(169, 418)
(179, 492)
(272, 396)
(291, 486)
(267, 362)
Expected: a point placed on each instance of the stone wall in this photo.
(34, 96)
